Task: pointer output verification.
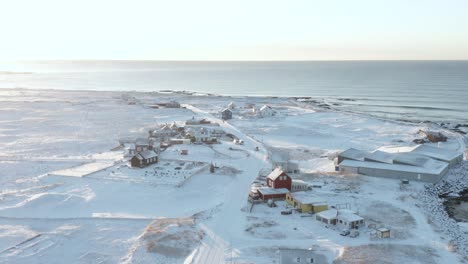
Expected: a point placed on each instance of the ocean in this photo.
(435, 91)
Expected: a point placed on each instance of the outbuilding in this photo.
(226, 114)
(279, 179)
(306, 202)
(383, 233)
(267, 193)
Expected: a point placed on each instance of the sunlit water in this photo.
(411, 90)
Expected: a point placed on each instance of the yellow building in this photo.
(306, 202)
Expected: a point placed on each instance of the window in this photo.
(311, 260)
(298, 260)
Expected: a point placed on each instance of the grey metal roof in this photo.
(437, 153)
(380, 156)
(412, 159)
(354, 154)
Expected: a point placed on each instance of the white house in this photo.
(231, 105)
(342, 217)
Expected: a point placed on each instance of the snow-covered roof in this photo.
(354, 154)
(268, 190)
(412, 159)
(275, 174)
(299, 182)
(435, 168)
(348, 216)
(328, 214)
(265, 108)
(226, 110)
(307, 198)
(148, 154)
(380, 156)
(342, 214)
(437, 153)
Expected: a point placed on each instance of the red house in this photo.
(279, 179)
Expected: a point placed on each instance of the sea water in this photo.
(434, 91)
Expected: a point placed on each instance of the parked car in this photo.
(345, 232)
(287, 212)
(354, 233)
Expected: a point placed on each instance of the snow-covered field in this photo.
(67, 194)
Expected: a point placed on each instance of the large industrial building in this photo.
(420, 163)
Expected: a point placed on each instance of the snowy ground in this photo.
(108, 212)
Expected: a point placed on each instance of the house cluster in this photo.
(264, 111)
(279, 186)
(419, 163)
(144, 151)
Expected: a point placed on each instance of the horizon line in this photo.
(177, 60)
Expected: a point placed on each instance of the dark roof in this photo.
(148, 154)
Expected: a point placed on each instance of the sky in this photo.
(234, 30)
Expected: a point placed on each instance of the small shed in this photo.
(267, 193)
(144, 159)
(226, 114)
(383, 233)
(279, 179)
(328, 216)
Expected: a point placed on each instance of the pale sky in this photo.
(234, 30)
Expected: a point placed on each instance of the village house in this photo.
(144, 159)
(267, 193)
(279, 179)
(226, 114)
(306, 202)
(266, 111)
(301, 256)
(344, 218)
(142, 144)
(200, 135)
(165, 131)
